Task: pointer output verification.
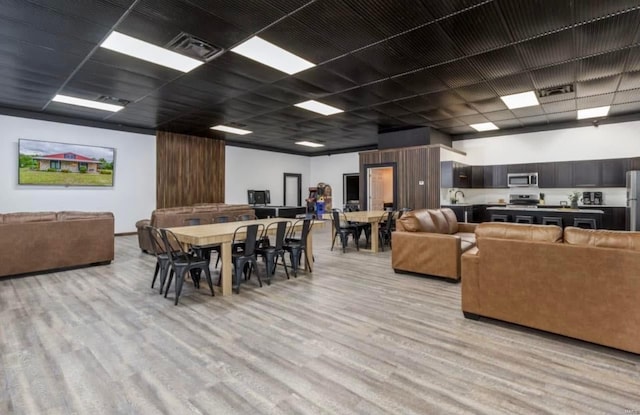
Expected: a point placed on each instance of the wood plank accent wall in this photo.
(413, 164)
(189, 170)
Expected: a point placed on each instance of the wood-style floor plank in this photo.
(351, 338)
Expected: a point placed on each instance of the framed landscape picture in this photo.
(47, 163)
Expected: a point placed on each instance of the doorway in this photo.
(381, 186)
(292, 189)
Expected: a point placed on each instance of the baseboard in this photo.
(126, 233)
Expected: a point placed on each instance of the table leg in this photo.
(374, 236)
(225, 268)
(308, 265)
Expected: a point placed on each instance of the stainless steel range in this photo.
(524, 200)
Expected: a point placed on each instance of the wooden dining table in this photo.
(222, 234)
(363, 216)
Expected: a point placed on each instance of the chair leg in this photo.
(284, 264)
(166, 291)
(207, 275)
(306, 259)
(357, 245)
(155, 274)
(253, 263)
(179, 281)
(294, 262)
(334, 240)
(164, 270)
(343, 238)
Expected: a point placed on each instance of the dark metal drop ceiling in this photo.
(388, 64)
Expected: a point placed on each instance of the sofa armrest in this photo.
(426, 253)
(467, 227)
(470, 274)
(142, 223)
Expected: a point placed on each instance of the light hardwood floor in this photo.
(352, 338)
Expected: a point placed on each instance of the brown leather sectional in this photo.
(40, 241)
(430, 242)
(172, 217)
(579, 283)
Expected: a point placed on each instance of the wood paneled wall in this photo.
(189, 170)
(414, 164)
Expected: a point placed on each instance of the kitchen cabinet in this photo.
(464, 213)
(563, 175)
(521, 168)
(586, 173)
(455, 174)
(613, 172)
(495, 176)
(477, 177)
(546, 175)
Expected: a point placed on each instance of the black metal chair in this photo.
(163, 263)
(499, 218)
(524, 219)
(183, 262)
(585, 223)
(297, 246)
(552, 220)
(244, 261)
(271, 253)
(216, 248)
(385, 228)
(343, 229)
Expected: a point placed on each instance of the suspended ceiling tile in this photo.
(499, 115)
(595, 101)
(547, 50)
(559, 106)
(597, 86)
(629, 108)
(528, 111)
(457, 74)
(623, 97)
(535, 17)
(512, 84)
(602, 65)
(606, 34)
(563, 116)
(421, 81)
(498, 63)
(353, 69)
(477, 92)
(556, 75)
(489, 105)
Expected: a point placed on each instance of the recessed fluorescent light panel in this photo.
(485, 126)
(309, 144)
(87, 103)
(151, 53)
(521, 100)
(231, 130)
(319, 107)
(593, 112)
(271, 55)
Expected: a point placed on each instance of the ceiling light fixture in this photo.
(65, 99)
(271, 55)
(231, 130)
(151, 53)
(309, 144)
(319, 107)
(485, 126)
(593, 112)
(521, 100)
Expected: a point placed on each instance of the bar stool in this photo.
(499, 218)
(552, 220)
(524, 219)
(585, 223)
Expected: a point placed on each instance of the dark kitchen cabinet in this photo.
(477, 177)
(634, 164)
(546, 175)
(495, 176)
(614, 172)
(586, 173)
(564, 174)
(521, 168)
(454, 174)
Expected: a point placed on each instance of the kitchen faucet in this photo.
(455, 195)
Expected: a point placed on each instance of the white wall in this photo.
(247, 169)
(607, 141)
(329, 170)
(132, 197)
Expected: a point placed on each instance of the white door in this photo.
(376, 188)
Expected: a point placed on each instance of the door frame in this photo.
(284, 187)
(366, 167)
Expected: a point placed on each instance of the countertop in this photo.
(558, 210)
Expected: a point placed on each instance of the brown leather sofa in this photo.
(172, 217)
(431, 242)
(40, 241)
(581, 283)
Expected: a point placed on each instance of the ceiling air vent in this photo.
(112, 100)
(189, 45)
(556, 90)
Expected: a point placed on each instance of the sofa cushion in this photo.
(1, 218)
(71, 215)
(452, 221)
(466, 245)
(408, 222)
(425, 223)
(25, 217)
(602, 238)
(518, 231)
(466, 236)
(439, 220)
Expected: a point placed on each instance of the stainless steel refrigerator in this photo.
(633, 207)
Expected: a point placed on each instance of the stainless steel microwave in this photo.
(522, 179)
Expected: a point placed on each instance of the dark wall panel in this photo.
(189, 170)
(413, 165)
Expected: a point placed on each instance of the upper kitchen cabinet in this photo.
(477, 177)
(455, 174)
(586, 173)
(495, 176)
(613, 172)
(546, 175)
(563, 174)
(521, 168)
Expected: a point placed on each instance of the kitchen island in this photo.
(567, 215)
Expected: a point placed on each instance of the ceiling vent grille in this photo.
(189, 45)
(112, 100)
(556, 90)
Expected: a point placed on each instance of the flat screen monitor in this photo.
(258, 197)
